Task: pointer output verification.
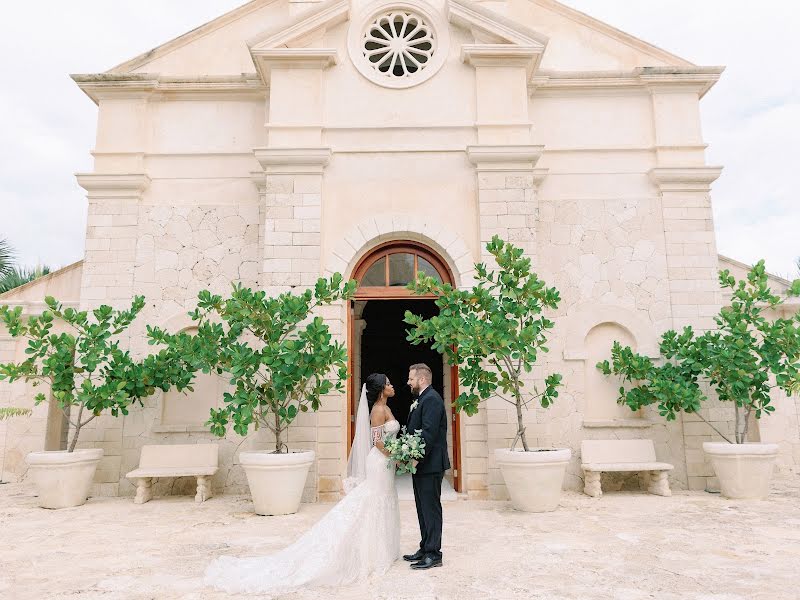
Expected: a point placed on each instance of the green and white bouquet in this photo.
(406, 450)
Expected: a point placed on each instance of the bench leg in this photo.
(144, 490)
(591, 485)
(203, 489)
(659, 484)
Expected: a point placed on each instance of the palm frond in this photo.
(6, 257)
(11, 411)
(18, 276)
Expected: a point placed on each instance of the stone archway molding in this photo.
(589, 316)
(368, 233)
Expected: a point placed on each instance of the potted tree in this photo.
(281, 360)
(494, 332)
(745, 357)
(88, 375)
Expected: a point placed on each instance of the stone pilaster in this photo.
(692, 259)
(507, 184)
(108, 278)
(684, 181)
(695, 296)
(292, 197)
(291, 193)
(111, 234)
(291, 190)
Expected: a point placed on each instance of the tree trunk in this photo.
(741, 429)
(278, 431)
(74, 438)
(520, 426)
(78, 426)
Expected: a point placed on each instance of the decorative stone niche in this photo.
(601, 391)
(591, 332)
(188, 411)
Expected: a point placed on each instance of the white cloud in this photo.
(751, 118)
(47, 125)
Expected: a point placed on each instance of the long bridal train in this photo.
(358, 537)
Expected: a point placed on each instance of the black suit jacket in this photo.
(431, 418)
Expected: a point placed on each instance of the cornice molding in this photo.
(295, 58)
(646, 79)
(111, 186)
(518, 45)
(507, 158)
(501, 55)
(276, 161)
(287, 45)
(319, 19)
(685, 179)
(149, 86)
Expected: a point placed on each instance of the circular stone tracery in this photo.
(398, 44)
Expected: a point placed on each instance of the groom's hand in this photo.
(414, 462)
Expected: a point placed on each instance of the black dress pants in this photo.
(428, 498)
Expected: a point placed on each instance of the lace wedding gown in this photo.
(357, 537)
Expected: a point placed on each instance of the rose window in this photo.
(398, 44)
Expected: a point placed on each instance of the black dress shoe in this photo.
(427, 563)
(418, 555)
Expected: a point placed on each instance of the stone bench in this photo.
(177, 460)
(598, 456)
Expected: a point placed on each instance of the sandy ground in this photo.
(626, 545)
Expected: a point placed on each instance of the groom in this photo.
(428, 415)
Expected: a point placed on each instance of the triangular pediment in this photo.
(574, 41)
(497, 38)
(490, 27)
(303, 30)
(300, 39)
(250, 18)
(580, 42)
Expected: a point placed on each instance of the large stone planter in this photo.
(744, 470)
(276, 480)
(534, 479)
(62, 479)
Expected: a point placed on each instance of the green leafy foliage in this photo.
(11, 411)
(743, 358)
(6, 257)
(84, 366)
(280, 358)
(17, 276)
(494, 332)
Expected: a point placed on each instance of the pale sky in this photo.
(751, 118)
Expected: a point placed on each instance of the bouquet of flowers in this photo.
(406, 450)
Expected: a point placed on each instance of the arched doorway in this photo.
(376, 332)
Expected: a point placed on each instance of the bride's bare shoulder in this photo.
(377, 416)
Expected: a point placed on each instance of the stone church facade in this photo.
(288, 140)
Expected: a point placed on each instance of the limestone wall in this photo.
(207, 172)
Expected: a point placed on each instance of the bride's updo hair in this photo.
(375, 384)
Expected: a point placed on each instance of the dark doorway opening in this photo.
(384, 349)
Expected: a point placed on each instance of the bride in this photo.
(358, 537)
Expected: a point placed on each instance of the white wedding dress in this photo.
(360, 536)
